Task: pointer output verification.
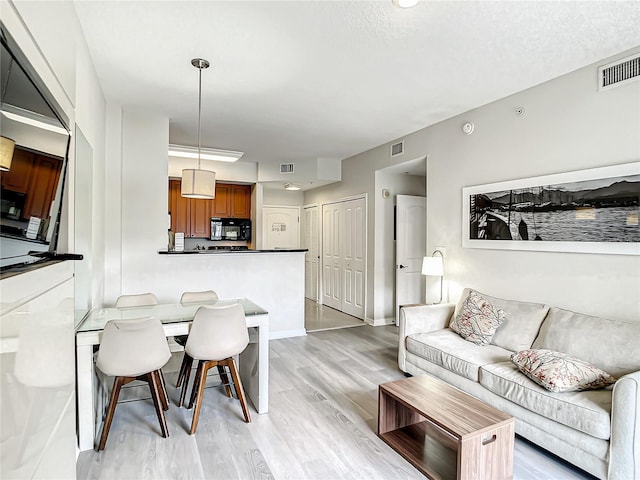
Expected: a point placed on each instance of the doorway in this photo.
(311, 242)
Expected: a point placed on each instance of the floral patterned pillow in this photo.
(559, 372)
(477, 320)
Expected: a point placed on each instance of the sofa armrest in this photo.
(624, 447)
(419, 319)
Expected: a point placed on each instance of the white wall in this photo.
(280, 196)
(567, 126)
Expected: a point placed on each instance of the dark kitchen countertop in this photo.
(220, 251)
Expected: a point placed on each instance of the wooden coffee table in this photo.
(443, 432)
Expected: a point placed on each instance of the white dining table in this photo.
(176, 318)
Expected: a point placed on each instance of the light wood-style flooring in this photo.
(320, 317)
(321, 423)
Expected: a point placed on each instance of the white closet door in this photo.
(354, 261)
(344, 259)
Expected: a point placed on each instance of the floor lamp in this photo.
(433, 267)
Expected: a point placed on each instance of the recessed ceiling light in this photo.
(405, 3)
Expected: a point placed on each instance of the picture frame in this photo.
(586, 211)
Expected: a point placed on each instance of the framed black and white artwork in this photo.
(588, 211)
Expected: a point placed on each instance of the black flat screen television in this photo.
(33, 163)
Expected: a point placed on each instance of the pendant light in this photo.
(198, 183)
(6, 153)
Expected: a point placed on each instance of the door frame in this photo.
(319, 243)
(321, 205)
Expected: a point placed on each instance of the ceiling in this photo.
(306, 80)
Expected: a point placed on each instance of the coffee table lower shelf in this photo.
(426, 448)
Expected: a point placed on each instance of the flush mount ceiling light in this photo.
(198, 183)
(292, 186)
(205, 153)
(405, 3)
(6, 153)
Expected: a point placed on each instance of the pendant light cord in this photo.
(199, 109)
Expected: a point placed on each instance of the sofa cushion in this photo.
(521, 325)
(448, 350)
(609, 345)
(559, 372)
(587, 411)
(477, 320)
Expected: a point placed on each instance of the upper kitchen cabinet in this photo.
(193, 216)
(29, 187)
(240, 201)
(222, 202)
(232, 201)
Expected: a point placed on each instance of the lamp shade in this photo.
(432, 266)
(198, 183)
(6, 153)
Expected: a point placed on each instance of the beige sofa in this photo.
(597, 430)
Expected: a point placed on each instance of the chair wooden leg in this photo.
(201, 380)
(196, 384)
(164, 395)
(225, 379)
(184, 367)
(239, 390)
(154, 380)
(187, 363)
(113, 401)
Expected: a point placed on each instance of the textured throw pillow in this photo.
(559, 372)
(477, 320)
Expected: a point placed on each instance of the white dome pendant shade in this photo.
(198, 183)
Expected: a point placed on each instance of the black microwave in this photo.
(231, 229)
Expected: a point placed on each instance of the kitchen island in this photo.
(272, 279)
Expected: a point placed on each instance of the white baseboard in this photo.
(287, 334)
(381, 321)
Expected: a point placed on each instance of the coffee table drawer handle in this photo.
(488, 440)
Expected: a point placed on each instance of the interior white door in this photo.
(310, 241)
(343, 256)
(331, 255)
(280, 227)
(354, 258)
(411, 231)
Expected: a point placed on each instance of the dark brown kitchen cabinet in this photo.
(240, 201)
(222, 202)
(36, 176)
(44, 179)
(17, 179)
(200, 218)
(179, 209)
(193, 216)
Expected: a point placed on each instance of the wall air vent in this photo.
(286, 168)
(397, 149)
(618, 73)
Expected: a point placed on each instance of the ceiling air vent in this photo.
(618, 73)
(286, 168)
(397, 149)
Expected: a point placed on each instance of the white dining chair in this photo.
(131, 350)
(137, 300)
(189, 298)
(217, 335)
